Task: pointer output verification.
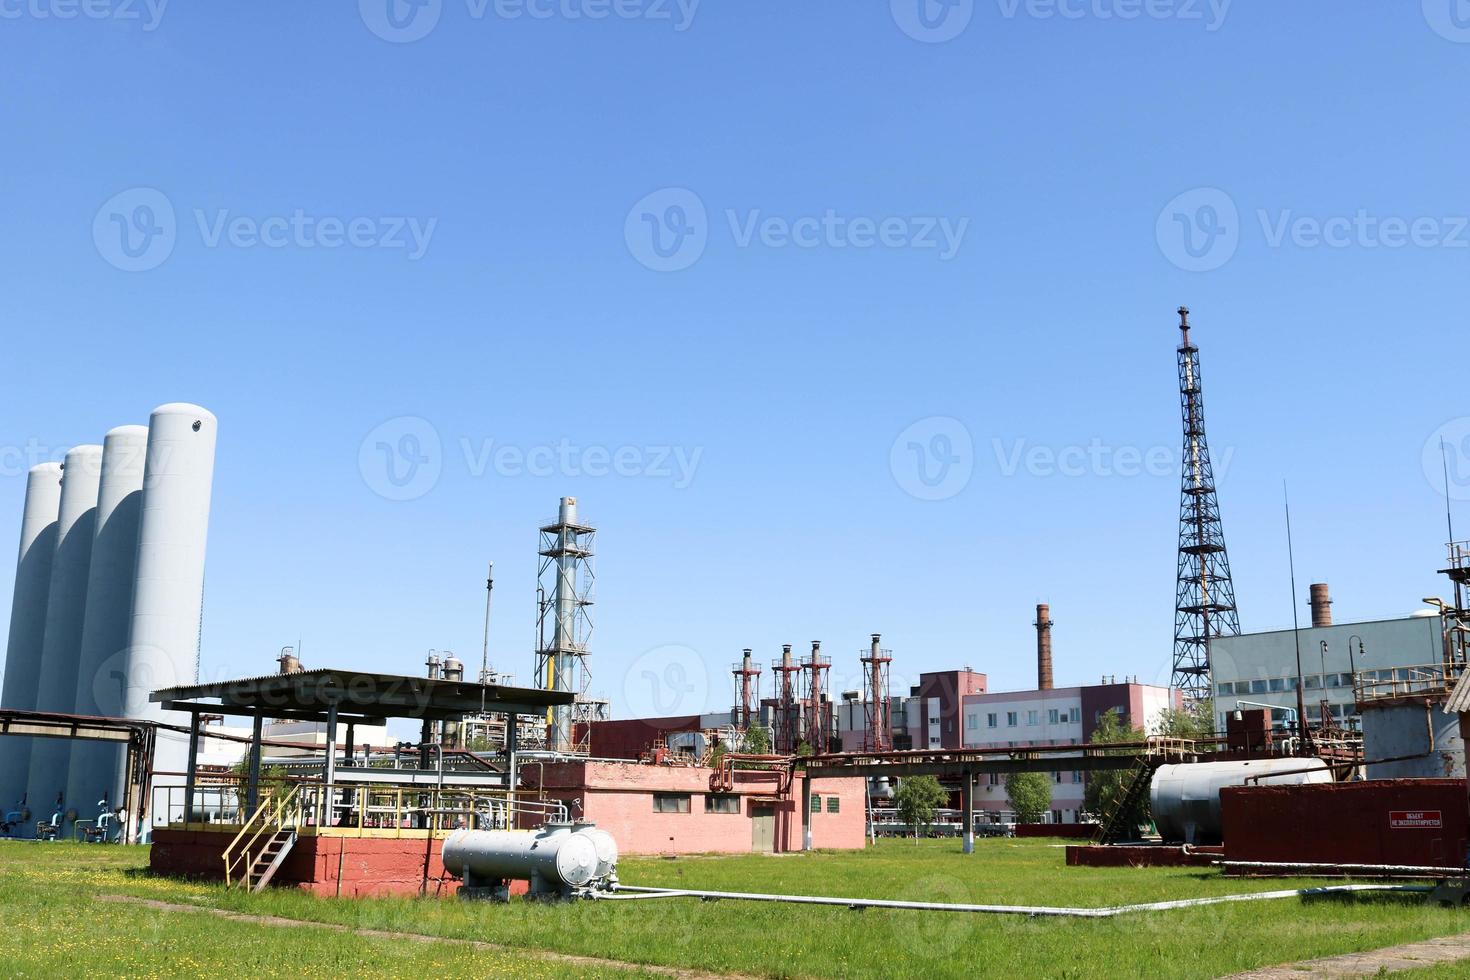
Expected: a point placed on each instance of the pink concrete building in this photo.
(672, 810)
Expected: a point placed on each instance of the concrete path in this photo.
(541, 954)
(1409, 956)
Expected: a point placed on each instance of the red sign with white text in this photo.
(1415, 819)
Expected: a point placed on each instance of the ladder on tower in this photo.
(1125, 802)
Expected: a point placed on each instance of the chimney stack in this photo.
(1043, 647)
(1321, 605)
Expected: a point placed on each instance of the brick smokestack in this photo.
(1321, 605)
(1043, 647)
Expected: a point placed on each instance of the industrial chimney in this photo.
(1043, 647)
(1321, 605)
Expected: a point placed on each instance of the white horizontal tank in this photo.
(553, 859)
(1186, 797)
(28, 623)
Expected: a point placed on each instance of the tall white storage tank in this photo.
(66, 606)
(168, 584)
(97, 767)
(28, 622)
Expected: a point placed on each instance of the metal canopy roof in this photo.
(311, 693)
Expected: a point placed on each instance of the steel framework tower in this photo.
(878, 730)
(786, 716)
(1204, 605)
(747, 675)
(564, 617)
(815, 728)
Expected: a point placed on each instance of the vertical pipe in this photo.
(564, 634)
(65, 609)
(192, 772)
(38, 526)
(1043, 647)
(168, 579)
(806, 811)
(329, 771)
(97, 770)
(252, 794)
(967, 806)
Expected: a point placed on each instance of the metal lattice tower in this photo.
(815, 724)
(564, 619)
(1204, 605)
(747, 675)
(878, 727)
(786, 716)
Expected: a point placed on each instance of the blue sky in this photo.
(340, 235)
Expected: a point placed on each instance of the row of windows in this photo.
(724, 803)
(1054, 716)
(1311, 682)
(996, 779)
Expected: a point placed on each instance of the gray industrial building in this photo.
(1260, 669)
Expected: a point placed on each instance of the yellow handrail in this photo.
(277, 807)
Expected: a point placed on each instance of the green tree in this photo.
(1030, 795)
(1194, 721)
(805, 748)
(757, 741)
(1104, 786)
(916, 800)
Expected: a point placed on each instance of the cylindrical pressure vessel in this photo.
(168, 581)
(66, 607)
(551, 857)
(28, 623)
(97, 767)
(607, 848)
(1186, 797)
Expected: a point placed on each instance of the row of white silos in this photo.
(108, 594)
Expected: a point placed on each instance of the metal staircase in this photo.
(1125, 802)
(256, 853)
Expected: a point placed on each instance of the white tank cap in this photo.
(184, 408)
(127, 430)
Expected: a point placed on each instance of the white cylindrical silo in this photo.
(66, 605)
(168, 581)
(28, 623)
(97, 767)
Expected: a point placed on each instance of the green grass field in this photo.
(60, 921)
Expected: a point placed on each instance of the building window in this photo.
(972, 721)
(1225, 688)
(1011, 719)
(1056, 816)
(816, 803)
(1276, 685)
(990, 719)
(670, 802)
(1257, 687)
(832, 804)
(1032, 717)
(1053, 716)
(1056, 777)
(1076, 775)
(722, 803)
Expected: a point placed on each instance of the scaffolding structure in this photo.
(1204, 605)
(786, 714)
(747, 674)
(564, 598)
(877, 709)
(817, 714)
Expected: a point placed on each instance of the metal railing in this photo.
(279, 810)
(1401, 682)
